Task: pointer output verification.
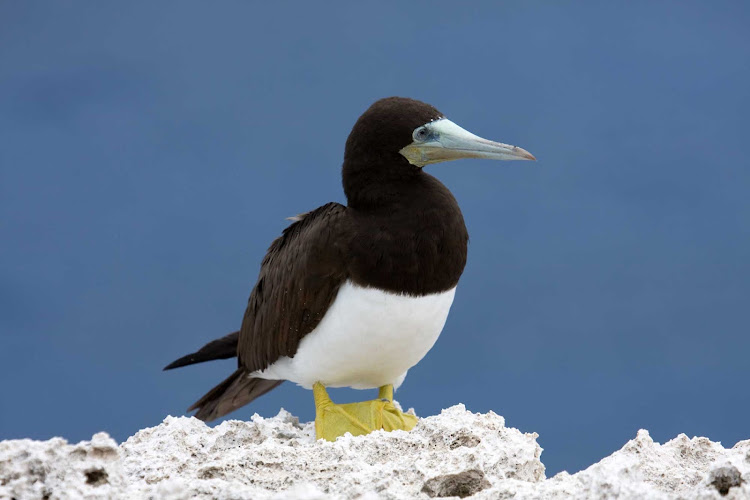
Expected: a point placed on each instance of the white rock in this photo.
(456, 452)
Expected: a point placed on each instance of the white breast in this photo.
(368, 338)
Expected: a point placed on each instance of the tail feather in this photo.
(236, 391)
(223, 348)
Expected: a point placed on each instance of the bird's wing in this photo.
(298, 280)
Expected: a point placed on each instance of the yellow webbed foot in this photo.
(332, 420)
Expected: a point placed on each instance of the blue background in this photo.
(149, 153)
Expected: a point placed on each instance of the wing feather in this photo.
(298, 280)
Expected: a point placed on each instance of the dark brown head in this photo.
(397, 136)
(386, 127)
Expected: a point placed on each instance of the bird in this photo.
(355, 295)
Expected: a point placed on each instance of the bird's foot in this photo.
(332, 420)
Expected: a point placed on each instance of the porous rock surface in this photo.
(456, 453)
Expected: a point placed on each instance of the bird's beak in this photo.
(443, 140)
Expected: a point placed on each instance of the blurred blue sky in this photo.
(149, 153)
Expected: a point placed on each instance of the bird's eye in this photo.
(421, 134)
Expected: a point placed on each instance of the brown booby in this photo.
(356, 295)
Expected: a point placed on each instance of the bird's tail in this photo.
(234, 392)
(223, 348)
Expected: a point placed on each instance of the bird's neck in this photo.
(375, 183)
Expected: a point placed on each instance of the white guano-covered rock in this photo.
(456, 453)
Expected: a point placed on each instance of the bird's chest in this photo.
(420, 253)
(368, 338)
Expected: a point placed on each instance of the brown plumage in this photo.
(298, 280)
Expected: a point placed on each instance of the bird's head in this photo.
(420, 134)
(396, 137)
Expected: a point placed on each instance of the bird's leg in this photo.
(332, 420)
(386, 392)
